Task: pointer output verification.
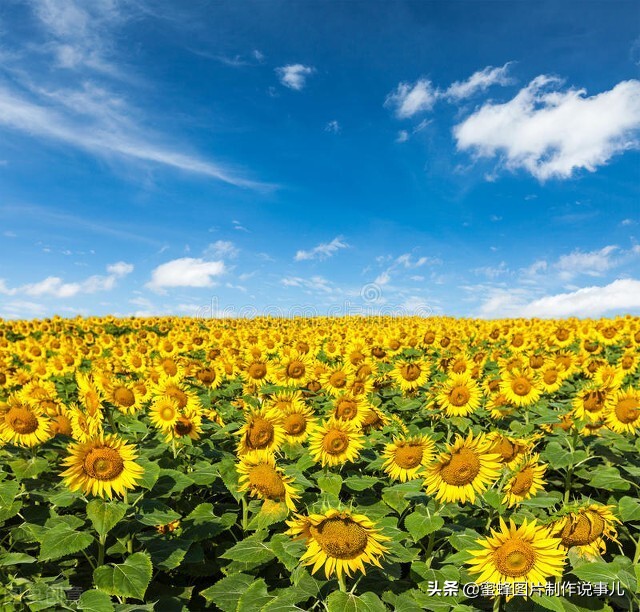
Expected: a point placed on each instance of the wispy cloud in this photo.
(550, 132)
(409, 99)
(221, 249)
(323, 250)
(478, 82)
(294, 76)
(333, 127)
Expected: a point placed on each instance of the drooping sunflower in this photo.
(102, 466)
(586, 529)
(459, 395)
(520, 386)
(510, 449)
(589, 403)
(187, 425)
(22, 424)
(335, 442)
(528, 553)
(623, 411)
(373, 418)
(340, 541)
(525, 482)
(259, 474)
(83, 427)
(90, 396)
(407, 456)
(262, 431)
(466, 468)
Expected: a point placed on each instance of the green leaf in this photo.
(286, 550)
(8, 492)
(348, 602)
(95, 601)
(255, 597)
(229, 475)
(171, 481)
(29, 468)
(629, 509)
(557, 456)
(227, 592)
(151, 473)
(361, 483)
(61, 540)
(9, 558)
(250, 550)
(330, 483)
(395, 499)
(419, 524)
(155, 513)
(105, 515)
(543, 501)
(608, 478)
(167, 554)
(204, 473)
(128, 579)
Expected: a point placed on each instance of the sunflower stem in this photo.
(497, 604)
(112, 422)
(101, 543)
(428, 553)
(341, 583)
(245, 513)
(173, 448)
(567, 484)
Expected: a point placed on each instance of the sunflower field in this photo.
(341, 464)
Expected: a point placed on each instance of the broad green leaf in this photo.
(95, 601)
(629, 509)
(151, 473)
(250, 550)
(608, 478)
(167, 553)
(255, 597)
(128, 579)
(361, 483)
(155, 513)
(105, 515)
(419, 524)
(286, 550)
(395, 499)
(204, 473)
(29, 468)
(61, 540)
(229, 475)
(9, 558)
(330, 483)
(227, 592)
(543, 501)
(348, 602)
(8, 492)
(171, 481)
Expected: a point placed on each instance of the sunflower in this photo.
(551, 377)
(336, 379)
(590, 402)
(525, 482)
(102, 466)
(528, 553)
(294, 368)
(373, 418)
(407, 456)
(410, 375)
(122, 394)
(262, 431)
(335, 442)
(298, 422)
(623, 411)
(23, 425)
(350, 408)
(90, 395)
(609, 377)
(259, 475)
(459, 395)
(187, 425)
(341, 541)
(586, 529)
(83, 427)
(520, 386)
(509, 449)
(164, 412)
(466, 468)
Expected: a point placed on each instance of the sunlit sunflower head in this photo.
(551, 377)
(340, 541)
(285, 401)
(187, 425)
(528, 553)
(526, 480)
(22, 424)
(586, 530)
(259, 475)
(590, 402)
(628, 362)
(406, 457)
(467, 468)
(511, 450)
(335, 442)
(609, 377)
(623, 411)
(373, 418)
(101, 466)
(89, 394)
(298, 422)
(460, 395)
(410, 375)
(187, 399)
(338, 378)
(294, 368)
(520, 386)
(164, 412)
(347, 407)
(262, 431)
(499, 407)
(123, 395)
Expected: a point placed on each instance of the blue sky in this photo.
(199, 158)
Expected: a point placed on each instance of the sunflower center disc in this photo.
(462, 468)
(586, 529)
(410, 372)
(628, 410)
(593, 401)
(408, 456)
(346, 410)
(267, 481)
(550, 377)
(521, 386)
(295, 424)
(335, 442)
(124, 397)
(167, 413)
(260, 433)
(179, 395)
(257, 370)
(207, 376)
(22, 420)
(341, 538)
(338, 380)
(103, 463)
(295, 369)
(183, 426)
(459, 395)
(507, 450)
(515, 558)
(522, 482)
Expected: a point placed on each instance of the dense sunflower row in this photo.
(463, 407)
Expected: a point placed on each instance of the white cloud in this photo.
(383, 279)
(492, 271)
(222, 248)
(121, 268)
(21, 309)
(552, 133)
(185, 272)
(591, 263)
(322, 251)
(315, 284)
(294, 76)
(410, 99)
(403, 136)
(624, 222)
(333, 127)
(478, 81)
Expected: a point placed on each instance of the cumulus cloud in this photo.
(294, 76)
(409, 99)
(590, 263)
(185, 272)
(478, 81)
(551, 132)
(323, 250)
